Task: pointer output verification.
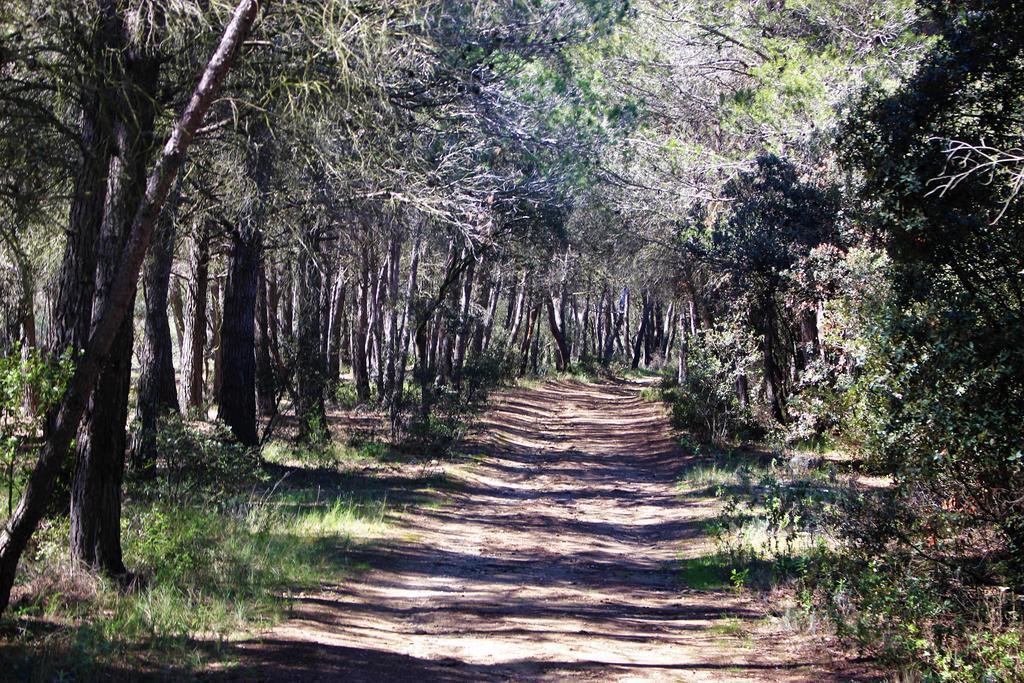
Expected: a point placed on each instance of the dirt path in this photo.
(553, 561)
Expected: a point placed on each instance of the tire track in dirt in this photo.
(554, 560)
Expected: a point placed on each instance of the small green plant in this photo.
(30, 387)
(739, 578)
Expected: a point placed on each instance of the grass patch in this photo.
(706, 573)
(330, 455)
(769, 509)
(206, 573)
(727, 627)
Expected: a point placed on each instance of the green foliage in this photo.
(345, 396)
(202, 576)
(843, 393)
(457, 404)
(947, 375)
(771, 522)
(198, 460)
(707, 404)
(30, 387)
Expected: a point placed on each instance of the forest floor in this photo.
(555, 555)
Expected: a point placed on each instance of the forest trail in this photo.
(553, 560)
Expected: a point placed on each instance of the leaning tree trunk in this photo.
(194, 338)
(157, 389)
(115, 308)
(237, 398)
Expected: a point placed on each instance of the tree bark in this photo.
(464, 329)
(335, 328)
(311, 362)
(392, 334)
(102, 438)
(562, 355)
(157, 386)
(360, 371)
(773, 370)
(683, 372)
(403, 343)
(77, 280)
(236, 399)
(193, 343)
(520, 307)
(216, 324)
(266, 396)
(640, 334)
(177, 300)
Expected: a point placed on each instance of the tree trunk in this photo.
(193, 343)
(335, 330)
(492, 312)
(360, 371)
(641, 333)
(311, 363)
(392, 334)
(403, 343)
(742, 390)
(114, 310)
(77, 280)
(287, 303)
(773, 371)
(178, 316)
(266, 389)
(216, 324)
(528, 336)
(236, 400)
(562, 356)
(683, 373)
(520, 307)
(464, 330)
(157, 388)
(102, 439)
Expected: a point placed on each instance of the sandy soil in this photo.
(553, 560)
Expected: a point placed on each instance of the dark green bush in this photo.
(199, 460)
(707, 404)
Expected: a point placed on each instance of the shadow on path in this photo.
(553, 559)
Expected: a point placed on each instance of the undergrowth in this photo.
(209, 565)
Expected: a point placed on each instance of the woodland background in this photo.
(803, 214)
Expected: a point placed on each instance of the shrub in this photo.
(199, 460)
(707, 404)
(30, 387)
